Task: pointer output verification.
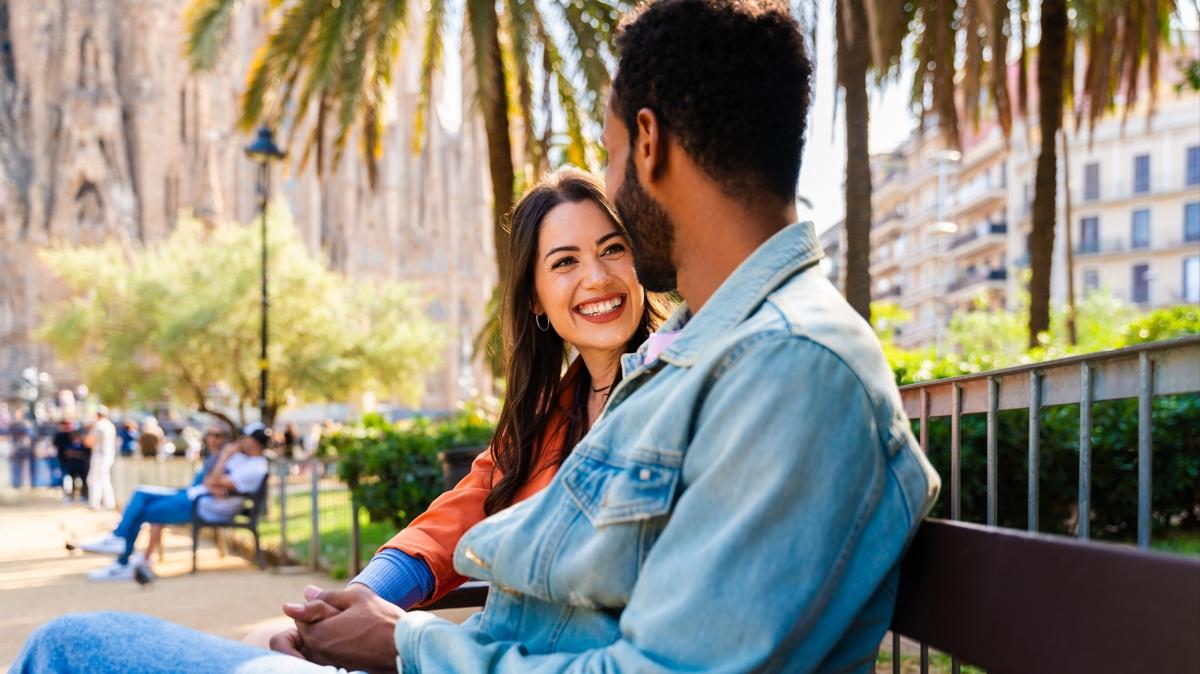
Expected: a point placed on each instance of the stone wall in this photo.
(105, 134)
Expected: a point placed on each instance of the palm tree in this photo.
(853, 60)
(333, 62)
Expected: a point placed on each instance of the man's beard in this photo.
(651, 231)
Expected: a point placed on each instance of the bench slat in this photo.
(1015, 602)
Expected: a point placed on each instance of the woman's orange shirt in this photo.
(433, 535)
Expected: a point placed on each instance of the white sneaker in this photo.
(109, 545)
(114, 571)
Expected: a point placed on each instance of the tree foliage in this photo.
(179, 319)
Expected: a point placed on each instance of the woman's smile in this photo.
(602, 309)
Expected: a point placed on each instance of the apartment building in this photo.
(1134, 188)
(939, 236)
(951, 229)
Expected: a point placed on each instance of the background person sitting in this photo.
(214, 439)
(239, 468)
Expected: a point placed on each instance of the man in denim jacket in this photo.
(745, 499)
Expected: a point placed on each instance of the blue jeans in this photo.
(18, 461)
(154, 505)
(131, 643)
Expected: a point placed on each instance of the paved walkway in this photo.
(40, 579)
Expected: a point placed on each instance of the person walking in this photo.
(21, 436)
(103, 441)
(74, 458)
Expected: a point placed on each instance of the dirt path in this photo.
(40, 580)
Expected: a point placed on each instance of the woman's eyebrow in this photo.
(575, 249)
(564, 249)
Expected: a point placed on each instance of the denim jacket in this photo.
(742, 504)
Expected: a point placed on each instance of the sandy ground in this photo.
(40, 579)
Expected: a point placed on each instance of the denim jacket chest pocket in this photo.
(621, 501)
(626, 488)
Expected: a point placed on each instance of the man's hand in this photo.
(348, 628)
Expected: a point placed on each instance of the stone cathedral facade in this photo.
(106, 134)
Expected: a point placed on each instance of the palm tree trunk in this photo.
(495, 124)
(853, 58)
(1051, 61)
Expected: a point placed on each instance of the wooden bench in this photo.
(1010, 601)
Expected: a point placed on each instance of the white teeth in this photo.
(597, 308)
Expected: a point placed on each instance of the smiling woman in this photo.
(571, 286)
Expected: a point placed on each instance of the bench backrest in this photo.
(1010, 601)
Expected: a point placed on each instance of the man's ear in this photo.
(649, 148)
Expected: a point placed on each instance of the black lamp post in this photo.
(263, 151)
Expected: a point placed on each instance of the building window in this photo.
(1091, 281)
(1141, 174)
(1191, 279)
(1191, 222)
(1193, 165)
(1139, 236)
(1141, 283)
(1091, 182)
(1089, 234)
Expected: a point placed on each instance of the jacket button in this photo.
(645, 474)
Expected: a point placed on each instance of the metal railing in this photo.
(976, 277)
(1143, 372)
(311, 519)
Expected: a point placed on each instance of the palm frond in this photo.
(206, 26)
(999, 30)
(482, 23)
(590, 26)
(567, 98)
(519, 20)
(431, 62)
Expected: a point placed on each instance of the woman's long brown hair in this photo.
(535, 358)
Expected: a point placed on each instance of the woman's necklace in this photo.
(602, 389)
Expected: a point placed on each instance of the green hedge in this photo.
(393, 469)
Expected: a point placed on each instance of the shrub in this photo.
(393, 469)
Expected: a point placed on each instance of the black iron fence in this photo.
(1141, 372)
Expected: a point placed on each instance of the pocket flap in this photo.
(609, 493)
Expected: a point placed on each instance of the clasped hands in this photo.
(349, 628)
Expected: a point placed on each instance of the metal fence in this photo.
(311, 520)
(1143, 372)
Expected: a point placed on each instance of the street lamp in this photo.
(263, 151)
(941, 229)
(30, 387)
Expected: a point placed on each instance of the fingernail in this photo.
(311, 592)
(293, 607)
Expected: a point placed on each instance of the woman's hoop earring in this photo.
(537, 319)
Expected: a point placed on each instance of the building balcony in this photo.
(1167, 186)
(963, 201)
(892, 218)
(977, 278)
(891, 293)
(988, 231)
(1115, 246)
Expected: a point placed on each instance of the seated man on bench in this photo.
(239, 468)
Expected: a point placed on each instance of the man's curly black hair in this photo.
(729, 79)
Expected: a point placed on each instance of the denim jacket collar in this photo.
(790, 251)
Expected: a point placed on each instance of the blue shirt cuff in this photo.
(399, 578)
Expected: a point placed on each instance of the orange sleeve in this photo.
(433, 535)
